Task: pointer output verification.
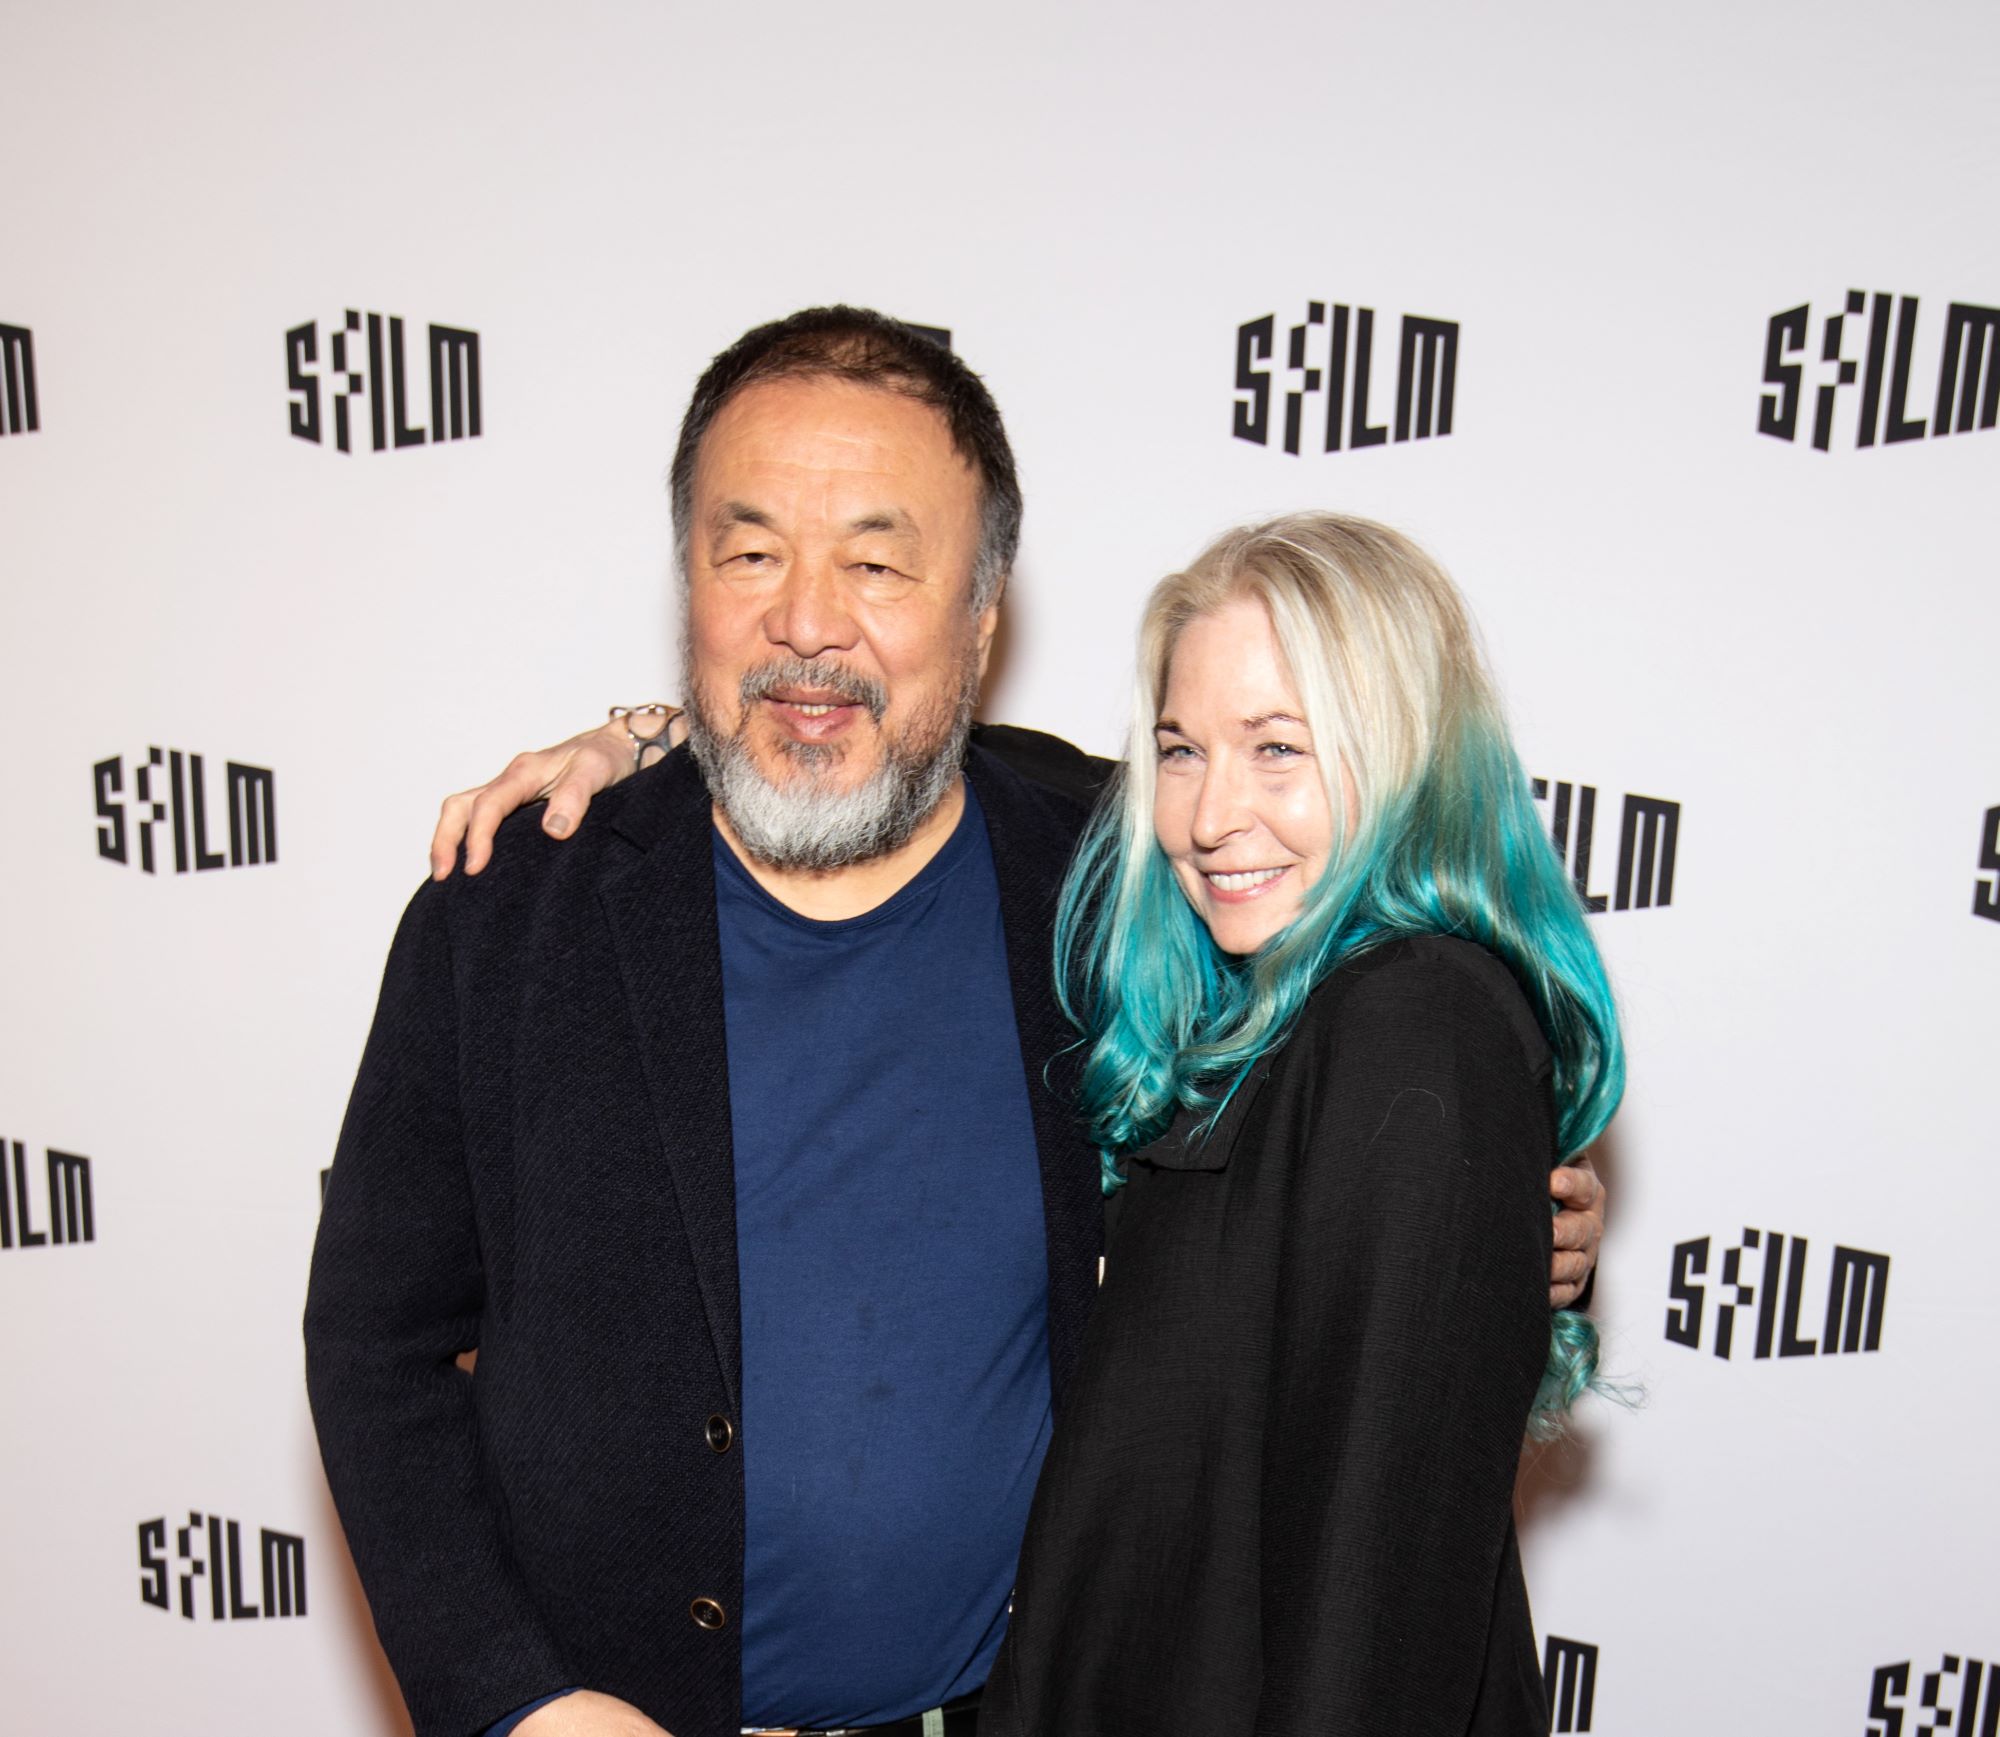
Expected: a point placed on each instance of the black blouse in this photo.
(1280, 1500)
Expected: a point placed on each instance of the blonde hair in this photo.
(1373, 633)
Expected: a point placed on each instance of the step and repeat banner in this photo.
(343, 353)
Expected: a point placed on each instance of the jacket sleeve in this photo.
(1413, 1328)
(395, 1294)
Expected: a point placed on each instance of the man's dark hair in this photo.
(870, 349)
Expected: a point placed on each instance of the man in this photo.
(731, 1136)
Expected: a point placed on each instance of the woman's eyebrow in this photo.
(1256, 723)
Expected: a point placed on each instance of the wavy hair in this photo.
(1444, 840)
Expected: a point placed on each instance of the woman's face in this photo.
(1240, 805)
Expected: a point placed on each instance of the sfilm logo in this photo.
(20, 411)
(365, 355)
(1856, 1290)
(1974, 1698)
(1569, 1673)
(1649, 831)
(1985, 893)
(1968, 373)
(211, 1549)
(173, 789)
(1330, 356)
(69, 1212)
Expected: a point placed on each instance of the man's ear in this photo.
(989, 621)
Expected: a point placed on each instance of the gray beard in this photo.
(806, 822)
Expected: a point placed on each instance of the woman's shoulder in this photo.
(1428, 991)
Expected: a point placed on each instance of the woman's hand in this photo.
(569, 775)
(1578, 1192)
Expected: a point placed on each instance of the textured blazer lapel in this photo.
(660, 903)
(1032, 837)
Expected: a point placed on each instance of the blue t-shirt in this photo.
(893, 1272)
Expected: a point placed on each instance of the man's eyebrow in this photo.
(892, 520)
(739, 513)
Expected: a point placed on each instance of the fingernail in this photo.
(556, 825)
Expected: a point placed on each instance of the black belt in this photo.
(959, 1718)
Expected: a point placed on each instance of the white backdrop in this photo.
(1794, 645)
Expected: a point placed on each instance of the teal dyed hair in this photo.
(1443, 838)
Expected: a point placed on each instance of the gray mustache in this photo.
(853, 688)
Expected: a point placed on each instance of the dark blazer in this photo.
(1280, 1502)
(536, 1161)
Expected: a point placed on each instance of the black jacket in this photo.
(1280, 1502)
(536, 1161)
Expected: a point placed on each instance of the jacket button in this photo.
(707, 1613)
(720, 1434)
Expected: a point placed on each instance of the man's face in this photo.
(830, 551)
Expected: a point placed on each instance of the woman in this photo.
(1319, 928)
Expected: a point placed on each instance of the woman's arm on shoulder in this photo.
(568, 775)
(1412, 1329)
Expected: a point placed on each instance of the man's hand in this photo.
(569, 775)
(1579, 1194)
(589, 1714)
